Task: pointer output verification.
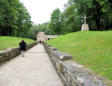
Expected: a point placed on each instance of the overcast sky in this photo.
(40, 10)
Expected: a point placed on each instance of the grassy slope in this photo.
(92, 49)
(7, 42)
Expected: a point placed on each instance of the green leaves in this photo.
(14, 16)
(97, 11)
(55, 22)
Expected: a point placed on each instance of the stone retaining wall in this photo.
(10, 53)
(71, 73)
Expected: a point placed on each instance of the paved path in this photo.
(35, 69)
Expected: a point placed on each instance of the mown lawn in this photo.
(8, 42)
(90, 48)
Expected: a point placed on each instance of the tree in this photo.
(54, 24)
(14, 18)
(38, 28)
(97, 11)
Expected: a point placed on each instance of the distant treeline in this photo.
(14, 19)
(99, 13)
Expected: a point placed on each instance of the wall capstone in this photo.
(10, 53)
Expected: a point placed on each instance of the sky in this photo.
(40, 10)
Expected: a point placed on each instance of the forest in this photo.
(16, 21)
(99, 13)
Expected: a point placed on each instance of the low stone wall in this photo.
(71, 73)
(10, 53)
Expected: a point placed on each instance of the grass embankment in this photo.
(8, 42)
(92, 49)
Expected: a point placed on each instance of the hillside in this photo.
(92, 49)
(7, 42)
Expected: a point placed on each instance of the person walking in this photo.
(22, 47)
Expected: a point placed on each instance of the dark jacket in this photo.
(22, 45)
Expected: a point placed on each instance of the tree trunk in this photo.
(98, 15)
(10, 31)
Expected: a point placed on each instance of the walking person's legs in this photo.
(22, 53)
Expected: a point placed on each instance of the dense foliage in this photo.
(99, 15)
(38, 28)
(54, 25)
(14, 18)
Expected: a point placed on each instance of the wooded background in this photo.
(14, 18)
(16, 21)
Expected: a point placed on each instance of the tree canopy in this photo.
(54, 25)
(99, 15)
(38, 28)
(14, 18)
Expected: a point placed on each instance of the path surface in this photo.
(35, 69)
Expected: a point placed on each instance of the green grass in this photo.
(9, 42)
(90, 48)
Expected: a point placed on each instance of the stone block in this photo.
(62, 56)
(10, 53)
(85, 27)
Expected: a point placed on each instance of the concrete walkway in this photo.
(35, 69)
